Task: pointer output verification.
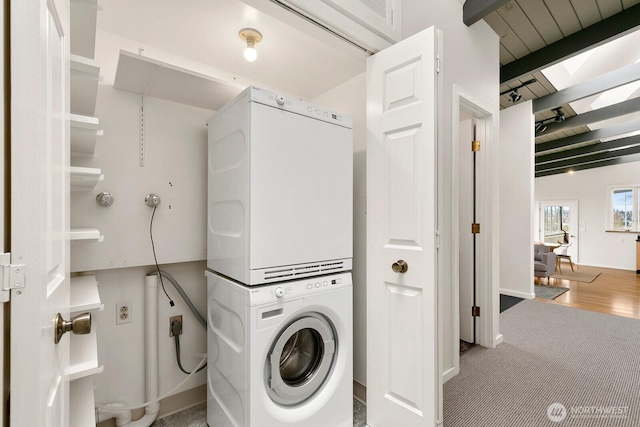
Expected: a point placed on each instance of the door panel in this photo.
(403, 384)
(465, 171)
(39, 210)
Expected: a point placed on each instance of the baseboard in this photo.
(170, 405)
(184, 400)
(517, 294)
(360, 391)
(450, 373)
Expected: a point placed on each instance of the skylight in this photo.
(572, 64)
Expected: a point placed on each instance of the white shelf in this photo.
(84, 355)
(86, 235)
(84, 294)
(82, 403)
(84, 132)
(143, 75)
(84, 14)
(84, 179)
(85, 75)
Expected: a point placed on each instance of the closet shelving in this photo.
(84, 179)
(84, 133)
(150, 77)
(84, 294)
(86, 235)
(85, 75)
(83, 362)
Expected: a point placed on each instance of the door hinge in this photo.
(437, 239)
(437, 64)
(11, 276)
(475, 311)
(475, 146)
(475, 228)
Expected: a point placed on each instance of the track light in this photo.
(515, 95)
(513, 92)
(559, 114)
(540, 127)
(541, 124)
(251, 37)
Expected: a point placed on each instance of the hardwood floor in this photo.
(613, 291)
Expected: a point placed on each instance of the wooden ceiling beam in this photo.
(626, 107)
(610, 162)
(594, 135)
(577, 161)
(475, 10)
(594, 35)
(610, 80)
(588, 149)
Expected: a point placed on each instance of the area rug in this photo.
(548, 292)
(577, 276)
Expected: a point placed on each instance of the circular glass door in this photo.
(300, 360)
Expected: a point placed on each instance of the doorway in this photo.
(468, 111)
(558, 223)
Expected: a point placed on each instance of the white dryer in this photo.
(280, 355)
(280, 189)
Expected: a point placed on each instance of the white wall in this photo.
(121, 347)
(349, 98)
(470, 62)
(596, 246)
(174, 168)
(516, 199)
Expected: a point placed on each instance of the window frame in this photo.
(635, 207)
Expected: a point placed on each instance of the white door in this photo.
(403, 381)
(39, 210)
(466, 266)
(557, 217)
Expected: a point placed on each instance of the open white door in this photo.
(39, 210)
(403, 381)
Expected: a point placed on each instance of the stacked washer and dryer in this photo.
(280, 230)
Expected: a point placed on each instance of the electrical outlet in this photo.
(123, 312)
(172, 320)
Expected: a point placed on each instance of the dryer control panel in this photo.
(288, 290)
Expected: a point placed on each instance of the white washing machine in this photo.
(280, 355)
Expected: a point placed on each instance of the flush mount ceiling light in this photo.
(251, 37)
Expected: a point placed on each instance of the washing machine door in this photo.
(301, 359)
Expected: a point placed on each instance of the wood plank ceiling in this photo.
(525, 26)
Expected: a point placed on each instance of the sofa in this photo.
(544, 261)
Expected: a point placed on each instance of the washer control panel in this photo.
(299, 288)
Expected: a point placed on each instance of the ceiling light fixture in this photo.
(541, 125)
(513, 92)
(515, 95)
(559, 114)
(251, 37)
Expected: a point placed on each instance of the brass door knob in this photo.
(81, 324)
(400, 266)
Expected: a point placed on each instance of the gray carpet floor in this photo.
(578, 365)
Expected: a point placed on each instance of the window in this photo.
(624, 207)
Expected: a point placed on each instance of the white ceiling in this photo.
(298, 60)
